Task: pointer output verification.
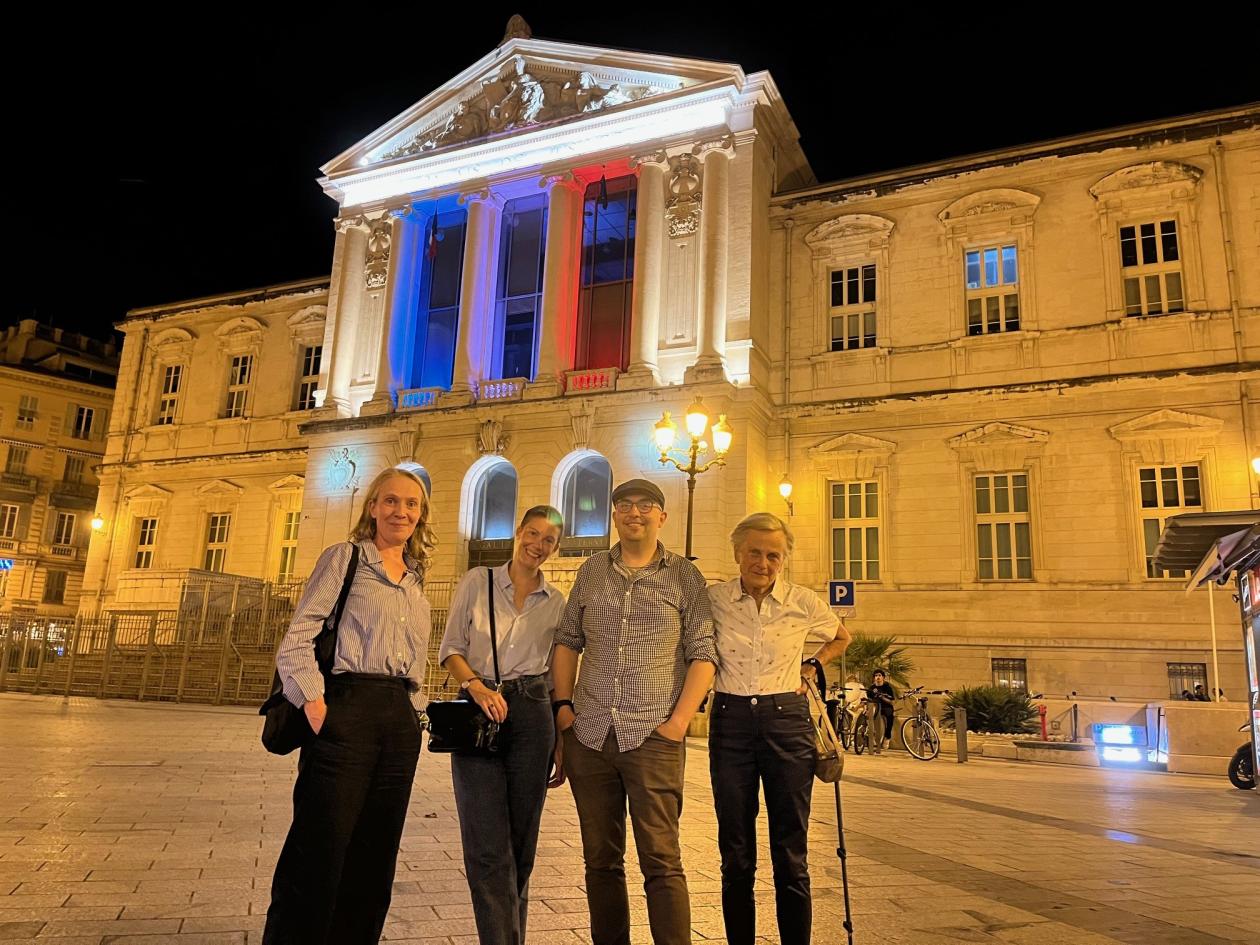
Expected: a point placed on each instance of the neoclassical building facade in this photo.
(989, 380)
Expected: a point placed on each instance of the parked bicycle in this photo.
(918, 731)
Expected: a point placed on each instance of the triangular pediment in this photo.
(290, 483)
(147, 492)
(528, 84)
(1166, 423)
(218, 488)
(850, 443)
(997, 434)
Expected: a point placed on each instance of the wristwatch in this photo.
(468, 682)
(560, 704)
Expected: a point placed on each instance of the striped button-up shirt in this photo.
(524, 635)
(760, 650)
(384, 627)
(636, 634)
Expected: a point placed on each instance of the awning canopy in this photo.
(1206, 544)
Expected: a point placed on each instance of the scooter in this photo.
(1241, 772)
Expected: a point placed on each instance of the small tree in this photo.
(869, 653)
(993, 709)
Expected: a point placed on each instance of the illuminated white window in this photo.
(1003, 528)
(288, 546)
(855, 531)
(168, 399)
(309, 380)
(81, 425)
(991, 276)
(8, 521)
(1010, 674)
(218, 525)
(146, 542)
(853, 307)
(28, 411)
(63, 529)
(1164, 491)
(240, 375)
(1150, 265)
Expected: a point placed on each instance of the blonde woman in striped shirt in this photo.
(335, 874)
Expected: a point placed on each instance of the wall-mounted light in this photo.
(1255, 465)
(98, 523)
(785, 490)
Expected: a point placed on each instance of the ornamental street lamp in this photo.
(697, 421)
(785, 490)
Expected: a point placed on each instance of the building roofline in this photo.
(242, 297)
(1182, 127)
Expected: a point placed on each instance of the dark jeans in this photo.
(650, 777)
(500, 803)
(765, 741)
(336, 872)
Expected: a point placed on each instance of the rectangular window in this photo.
(1160, 488)
(63, 529)
(992, 278)
(1010, 674)
(1150, 263)
(218, 526)
(1003, 536)
(1183, 678)
(55, 587)
(311, 357)
(81, 428)
(8, 521)
(28, 410)
(239, 376)
(607, 274)
(437, 306)
(15, 462)
(74, 469)
(853, 308)
(855, 531)
(288, 546)
(168, 401)
(146, 542)
(522, 243)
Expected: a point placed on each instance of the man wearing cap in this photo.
(639, 616)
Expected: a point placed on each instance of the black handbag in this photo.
(285, 726)
(459, 726)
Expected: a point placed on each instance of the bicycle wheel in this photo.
(921, 738)
(860, 735)
(845, 734)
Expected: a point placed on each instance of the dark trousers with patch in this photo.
(335, 875)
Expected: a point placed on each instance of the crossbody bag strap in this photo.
(494, 636)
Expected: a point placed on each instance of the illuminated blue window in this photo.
(607, 274)
(494, 504)
(522, 242)
(437, 309)
(587, 492)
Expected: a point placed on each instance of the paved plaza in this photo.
(134, 824)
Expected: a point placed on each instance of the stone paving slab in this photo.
(127, 823)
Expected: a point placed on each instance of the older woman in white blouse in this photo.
(760, 732)
(500, 800)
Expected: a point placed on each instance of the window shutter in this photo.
(71, 410)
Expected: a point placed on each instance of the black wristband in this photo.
(560, 704)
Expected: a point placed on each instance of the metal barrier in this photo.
(220, 652)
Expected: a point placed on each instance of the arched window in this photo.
(585, 502)
(420, 472)
(493, 516)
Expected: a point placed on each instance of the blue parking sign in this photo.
(841, 594)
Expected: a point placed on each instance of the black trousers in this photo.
(335, 875)
(763, 742)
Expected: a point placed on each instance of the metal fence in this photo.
(216, 647)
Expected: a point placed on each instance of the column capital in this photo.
(403, 212)
(657, 158)
(722, 144)
(565, 179)
(354, 221)
(484, 195)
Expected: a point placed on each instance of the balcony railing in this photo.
(8, 544)
(589, 380)
(19, 481)
(507, 388)
(69, 552)
(417, 398)
(80, 490)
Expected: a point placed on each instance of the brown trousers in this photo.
(650, 777)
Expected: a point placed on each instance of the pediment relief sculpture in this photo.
(521, 94)
(996, 201)
(849, 231)
(1142, 176)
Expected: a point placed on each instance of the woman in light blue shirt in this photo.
(335, 874)
(500, 800)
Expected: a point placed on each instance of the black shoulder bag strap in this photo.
(494, 636)
(326, 653)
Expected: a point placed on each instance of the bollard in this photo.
(1041, 710)
(960, 734)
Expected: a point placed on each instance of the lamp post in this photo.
(697, 421)
(785, 490)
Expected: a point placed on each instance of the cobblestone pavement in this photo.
(127, 824)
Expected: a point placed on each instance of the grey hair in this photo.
(761, 522)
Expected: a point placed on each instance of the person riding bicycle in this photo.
(882, 694)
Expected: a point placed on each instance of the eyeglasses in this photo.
(643, 505)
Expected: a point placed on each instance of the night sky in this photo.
(161, 161)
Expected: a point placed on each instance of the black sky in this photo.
(164, 154)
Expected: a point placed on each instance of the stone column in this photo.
(399, 282)
(649, 272)
(714, 223)
(345, 304)
(561, 271)
(476, 293)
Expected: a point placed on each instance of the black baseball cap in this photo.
(641, 487)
